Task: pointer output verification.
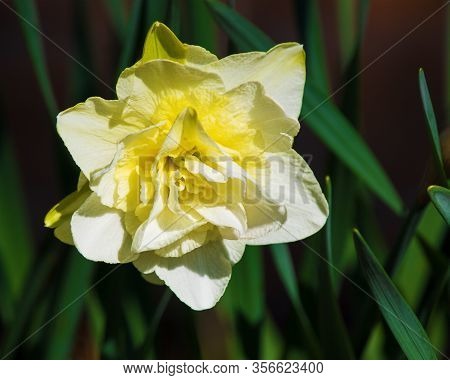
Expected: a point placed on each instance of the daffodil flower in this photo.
(190, 163)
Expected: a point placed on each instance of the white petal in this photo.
(186, 244)
(235, 249)
(91, 131)
(165, 229)
(281, 71)
(199, 278)
(262, 219)
(99, 233)
(289, 181)
(195, 166)
(225, 216)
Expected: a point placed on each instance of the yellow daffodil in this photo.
(192, 162)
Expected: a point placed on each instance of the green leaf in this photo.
(156, 10)
(16, 252)
(272, 344)
(241, 31)
(328, 123)
(30, 27)
(247, 286)
(432, 127)
(333, 333)
(398, 315)
(174, 20)
(347, 30)
(324, 118)
(129, 48)
(316, 57)
(283, 263)
(25, 308)
(69, 304)
(147, 349)
(201, 26)
(441, 200)
(96, 318)
(117, 12)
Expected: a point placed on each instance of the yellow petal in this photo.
(281, 71)
(165, 229)
(159, 90)
(162, 43)
(289, 181)
(65, 208)
(91, 131)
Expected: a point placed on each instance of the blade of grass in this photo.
(272, 344)
(333, 333)
(432, 128)
(201, 25)
(325, 120)
(174, 19)
(347, 30)
(328, 123)
(117, 12)
(97, 318)
(16, 252)
(316, 57)
(401, 320)
(30, 27)
(440, 197)
(147, 349)
(76, 278)
(247, 287)
(129, 48)
(37, 279)
(155, 10)
(436, 282)
(243, 33)
(283, 263)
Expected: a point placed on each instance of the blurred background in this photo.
(366, 54)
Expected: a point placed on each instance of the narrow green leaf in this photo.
(117, 12)
(432, 127)
(333, 333)
(322, 116)
(156, 10)
(69, 304)
(441, 200)
(16, 252)
(201, 25)
(407, 233)
(401, 320)
(447, 65)
(174, 20)
(328, 123)
(283, 263)
(96, 317)
(316, 58)
(36, 280)
(129, 48)
(135, 319)
(272, 344)
(147, 349)
(347, 30)
(30, 27)
(436, 282)
(247, 286)
(241, 31)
